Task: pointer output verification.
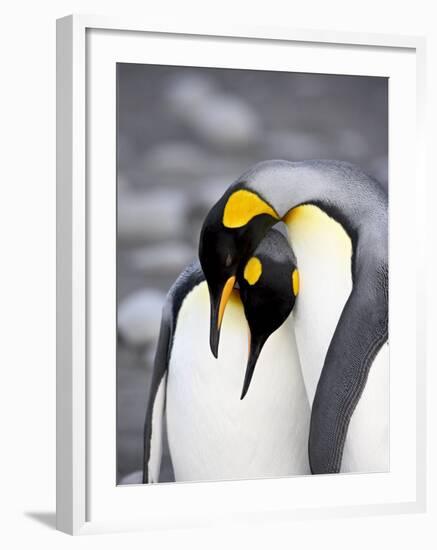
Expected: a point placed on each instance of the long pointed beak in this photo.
(255, 347)
(218, 306)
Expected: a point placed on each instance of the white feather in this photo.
(214, 435)
(324, 250)
(367, 442)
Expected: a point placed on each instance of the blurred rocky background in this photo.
(185, 134)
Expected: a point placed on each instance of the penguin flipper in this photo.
(153, 427)
(360, 334)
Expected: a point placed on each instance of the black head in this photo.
(230, 233)
(269, 284)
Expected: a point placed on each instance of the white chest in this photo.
(212, 433)
(366, 448)
(323, 250)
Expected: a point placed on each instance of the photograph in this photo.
(252, 274)
(218, 297)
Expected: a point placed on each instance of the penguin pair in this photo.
(221, 423)
(337, 221)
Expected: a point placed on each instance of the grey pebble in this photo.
(294, 145)
(139, 317)
(186, 91)
(176, 158)
(151, 216)
(209, 192)
(352, 145)
(225, 121)
(168, 258)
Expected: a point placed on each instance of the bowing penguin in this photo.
(336, 217)
(217, 427)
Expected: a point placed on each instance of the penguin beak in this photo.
(255, 346)
(218, 306)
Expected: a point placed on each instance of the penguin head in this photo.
(269, 284)
(230, 233)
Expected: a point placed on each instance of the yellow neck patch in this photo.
(244, 205)
(309, 224)
(253, 270)
(295, 282)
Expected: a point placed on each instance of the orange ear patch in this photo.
(242, 206)
(295, 282)
(253, 270)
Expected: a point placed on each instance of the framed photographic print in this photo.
(240, 327)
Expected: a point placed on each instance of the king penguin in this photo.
(337, 220)
(216, 428)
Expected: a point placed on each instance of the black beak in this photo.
(218, 306)
(214, 331)
(256, 345)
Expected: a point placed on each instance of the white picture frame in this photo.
(87, 501)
